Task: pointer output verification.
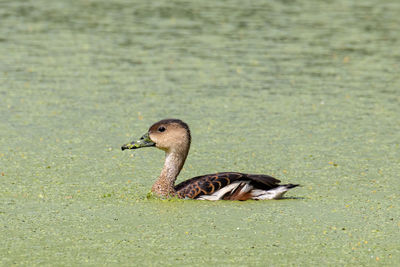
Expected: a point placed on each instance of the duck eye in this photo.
(161, 129)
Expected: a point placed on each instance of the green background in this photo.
(307, 91)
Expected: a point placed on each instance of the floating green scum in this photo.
(306, 91)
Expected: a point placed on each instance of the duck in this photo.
(174, 138)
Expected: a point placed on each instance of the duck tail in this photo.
(275, 193)
(289, 186)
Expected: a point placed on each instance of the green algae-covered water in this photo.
(307, 91)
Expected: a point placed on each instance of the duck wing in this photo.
(210, 184)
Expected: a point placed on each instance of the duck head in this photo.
(170, 135)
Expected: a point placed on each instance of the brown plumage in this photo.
(173, 136)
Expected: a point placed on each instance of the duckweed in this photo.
(263, 84)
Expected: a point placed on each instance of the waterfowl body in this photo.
(173, 136)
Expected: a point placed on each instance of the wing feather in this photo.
(210, 183)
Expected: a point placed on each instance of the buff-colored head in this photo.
(170, 135)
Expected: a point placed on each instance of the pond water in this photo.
(307, 91)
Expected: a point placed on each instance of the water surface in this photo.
(307, 91)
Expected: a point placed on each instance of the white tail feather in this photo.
(257, 194)
(275, 193)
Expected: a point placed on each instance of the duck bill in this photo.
(144, 141)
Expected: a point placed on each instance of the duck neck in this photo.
(174, 160)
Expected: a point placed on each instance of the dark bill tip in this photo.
(129, 146)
